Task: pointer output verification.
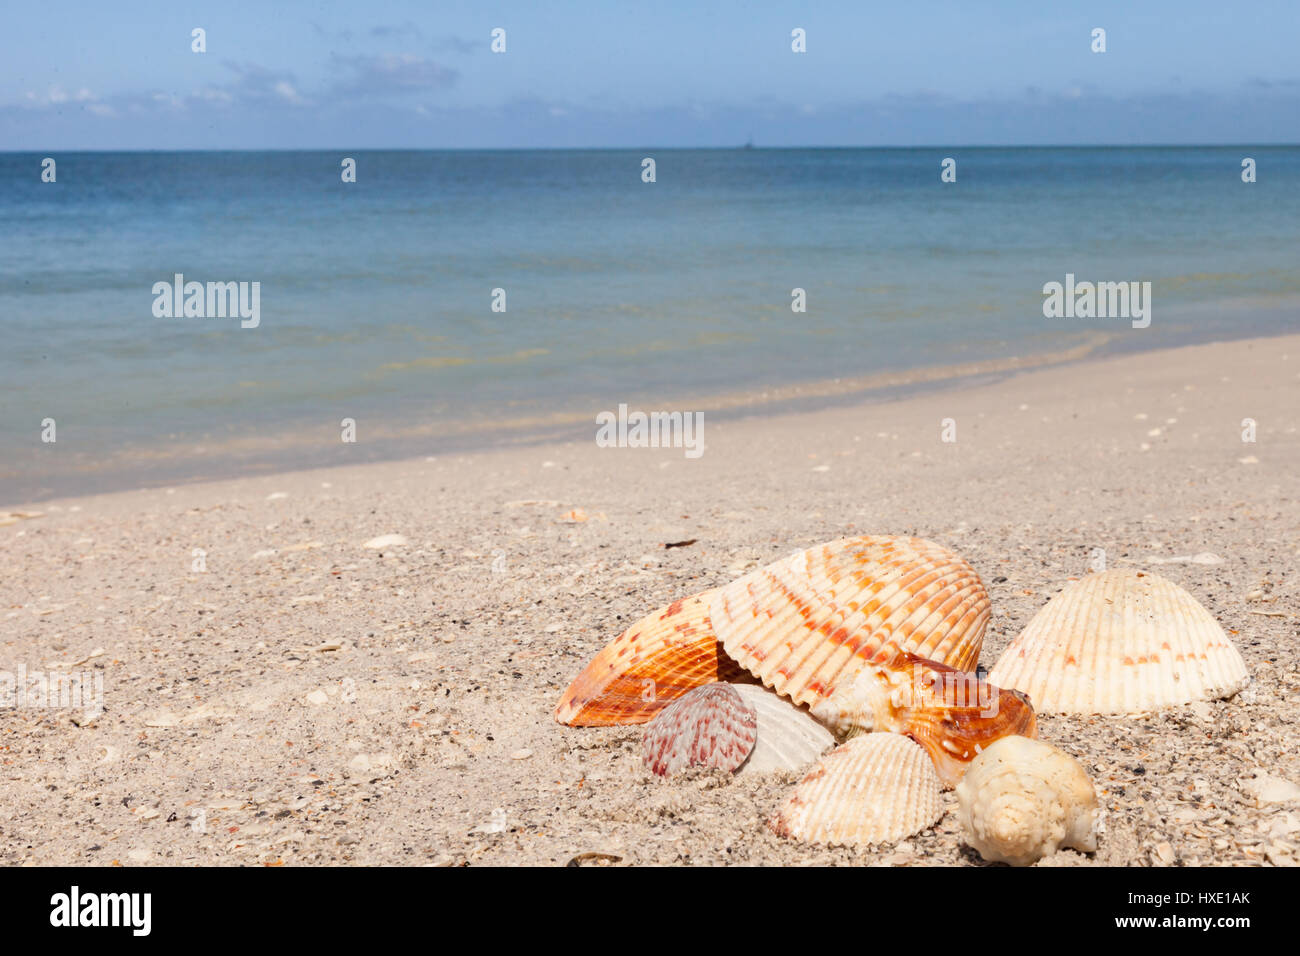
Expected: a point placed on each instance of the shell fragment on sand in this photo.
(788, 736)
(875, 788)
(647, 667)
(13, 517)
(1022, 800)
(807, 623)
(710, 726)
(1121, 642)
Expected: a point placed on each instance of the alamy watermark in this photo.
(198, 300)
(956, 689)
(651, 430)
(1101, 300)
(38, 690)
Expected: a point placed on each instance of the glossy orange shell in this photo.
(954, 717)
(651, 664)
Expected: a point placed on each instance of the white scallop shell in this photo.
(788, 737)
(1121, 642)
(1022, 800)
(875, 788)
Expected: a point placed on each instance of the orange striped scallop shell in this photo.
(813, 620)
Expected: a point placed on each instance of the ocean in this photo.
(376, 297)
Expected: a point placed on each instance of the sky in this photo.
(86, 74)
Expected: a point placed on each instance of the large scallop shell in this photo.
(1121, 642)
(1022, 800)
(648, 666)
(788, 737)
(952, 714)
(811, 621)
(876, 788)
(709, 726)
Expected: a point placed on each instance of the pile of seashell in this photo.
(874, 642)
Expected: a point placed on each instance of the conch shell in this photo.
(710, 726)
(1022, 800)
(952, 714)
(651, 664)
(1121, 642)
(873, 789)
(801, 625)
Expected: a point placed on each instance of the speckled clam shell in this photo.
(709, 726)
(1022, 800)
(875, 788)
(1120, 642)
(647, 667)
(788, 736)
(952, 714)
(814, 619)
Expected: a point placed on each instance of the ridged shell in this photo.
(1022, 800)
(1121, 642)
(788, 737)
(876, 788)
(952, 714)
(813, 620)
(709, 726)
(651, 664)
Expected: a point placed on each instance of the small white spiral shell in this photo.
(1022, 800)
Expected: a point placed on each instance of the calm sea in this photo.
(376, 296)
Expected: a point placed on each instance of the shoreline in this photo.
(318, 447)
(358, 665)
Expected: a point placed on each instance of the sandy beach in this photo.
(278, 692)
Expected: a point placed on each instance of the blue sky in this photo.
(96, 75)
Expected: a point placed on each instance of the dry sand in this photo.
(307, 699)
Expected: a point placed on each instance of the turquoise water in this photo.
(376, 296)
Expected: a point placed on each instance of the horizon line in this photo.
(738, 148)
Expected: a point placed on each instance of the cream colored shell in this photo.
(875, 788)
(788, 737)
(1022, 800)
(1119, 642)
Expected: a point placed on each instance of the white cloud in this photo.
(57, 96)
(284, 89)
